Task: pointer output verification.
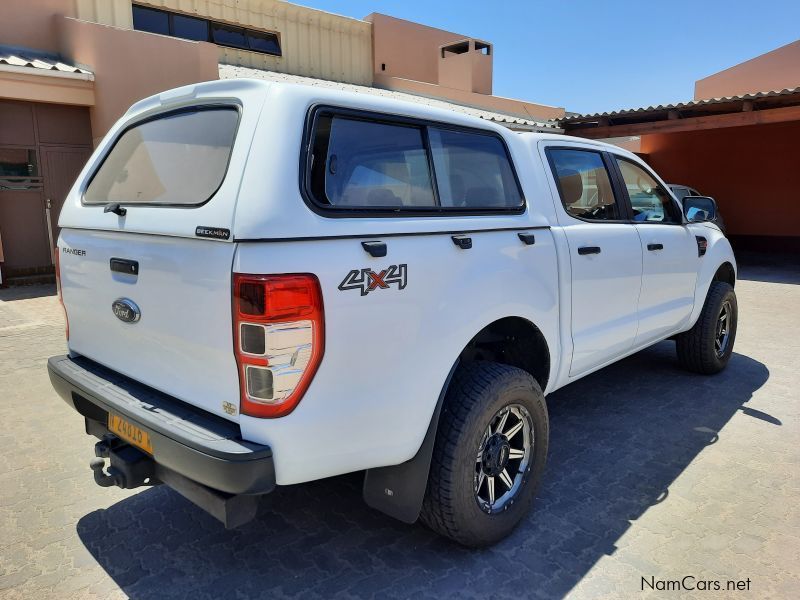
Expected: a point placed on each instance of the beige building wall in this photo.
(314, 43)
(470, 71)
(511, 106)
(407, 50)
(38, 85)
(774, 70)
(131, 65)
(408, 58)
(32, 24)
(107, 12)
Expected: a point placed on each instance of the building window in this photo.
(190, 28)
(483, 48)
(149, 19)
(457, 48)
(19, 169)
(204, 30)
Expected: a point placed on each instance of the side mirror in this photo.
(699, 208)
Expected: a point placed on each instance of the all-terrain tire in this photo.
(696, 348)
(478, 392)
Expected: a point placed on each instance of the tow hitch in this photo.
(130, 468)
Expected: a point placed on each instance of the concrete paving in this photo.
(654, 475)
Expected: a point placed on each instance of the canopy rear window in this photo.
(176, 159)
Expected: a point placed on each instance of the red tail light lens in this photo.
(278, 334)
(57, 262)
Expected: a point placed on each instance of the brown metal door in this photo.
(22, 224)
(23, 230)
(62, 165)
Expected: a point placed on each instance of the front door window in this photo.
(584, 185)
(650, 201)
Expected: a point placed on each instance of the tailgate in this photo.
(182, 341)
(145, 248)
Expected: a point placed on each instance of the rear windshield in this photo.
(176, 159)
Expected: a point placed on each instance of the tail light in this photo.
(278, 333)
(57, 261)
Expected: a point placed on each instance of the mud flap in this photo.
(399, 490)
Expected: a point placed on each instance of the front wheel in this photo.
(707, 347)
(489, 454)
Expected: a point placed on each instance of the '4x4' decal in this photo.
(367, 280)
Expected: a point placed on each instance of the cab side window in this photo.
(473, 170)
(650, 202)
(584, 184)
(370, 164)
(373, 163)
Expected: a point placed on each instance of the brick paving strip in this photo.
(653, 473)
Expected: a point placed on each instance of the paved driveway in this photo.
(653, 473)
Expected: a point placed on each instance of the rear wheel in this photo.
(707, 347)
(489, 454)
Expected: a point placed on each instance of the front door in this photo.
(605, 257)
(669, 251)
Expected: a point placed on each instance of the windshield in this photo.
(179, 158)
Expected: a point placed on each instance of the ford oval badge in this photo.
(126, 310)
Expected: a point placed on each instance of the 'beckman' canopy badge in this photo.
(126, 310)
(218, 233)
(367, 280)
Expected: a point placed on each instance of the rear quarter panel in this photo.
(388, 353)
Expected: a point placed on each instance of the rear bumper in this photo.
(186, 440)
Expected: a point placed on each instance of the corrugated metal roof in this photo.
(689, 104)
(18, 57)
(511, 121)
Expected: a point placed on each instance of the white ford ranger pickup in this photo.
(268, 284)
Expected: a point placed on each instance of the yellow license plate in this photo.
(130, 433)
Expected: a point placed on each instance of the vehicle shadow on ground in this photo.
(619, 438)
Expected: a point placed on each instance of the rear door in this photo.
(145, 253)
(669, 250)
(605, 257)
